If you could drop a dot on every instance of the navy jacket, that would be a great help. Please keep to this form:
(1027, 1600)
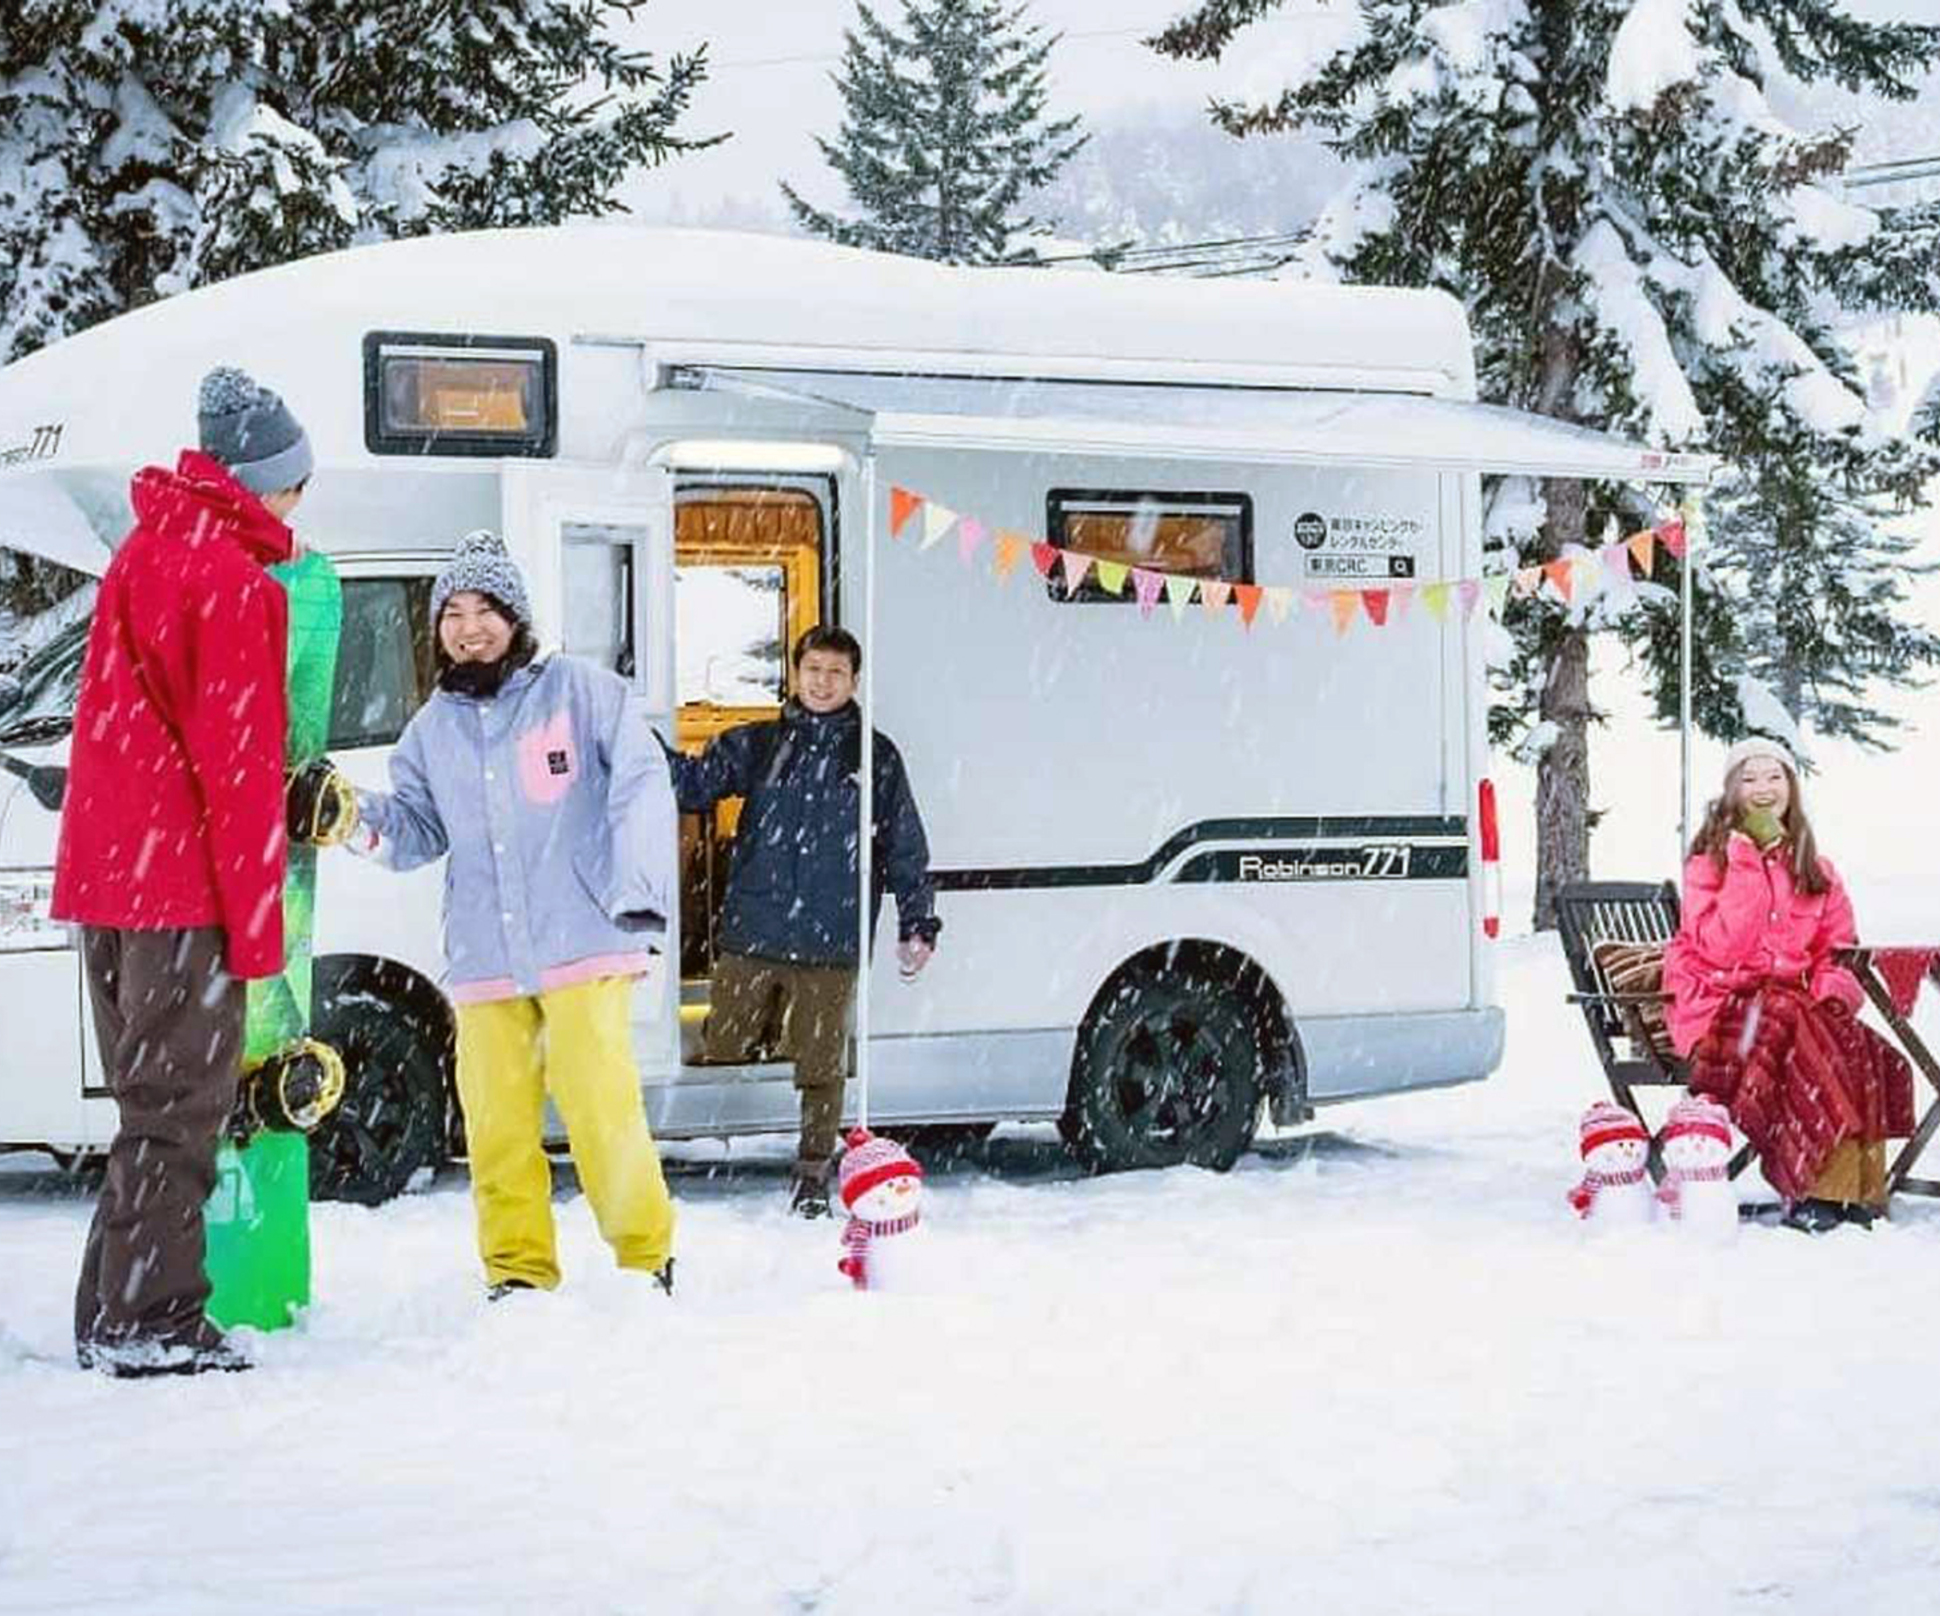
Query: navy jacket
(791, 891)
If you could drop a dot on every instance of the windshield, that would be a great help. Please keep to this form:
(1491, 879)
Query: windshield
(50, 680)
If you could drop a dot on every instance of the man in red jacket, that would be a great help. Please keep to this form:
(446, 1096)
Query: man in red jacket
(172, 856)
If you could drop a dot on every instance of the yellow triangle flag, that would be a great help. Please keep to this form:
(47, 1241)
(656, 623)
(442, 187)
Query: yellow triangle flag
(1435, 598)
(1111, 576)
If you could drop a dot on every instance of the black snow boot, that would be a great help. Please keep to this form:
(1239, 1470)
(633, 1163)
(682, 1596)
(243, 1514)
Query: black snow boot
(211, 1352)
(1813, 1216)
(503, 1288)
(810, 1196)
(663, 1276)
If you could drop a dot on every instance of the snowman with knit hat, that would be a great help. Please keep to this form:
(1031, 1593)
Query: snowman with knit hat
(1615, 1190)
(1697, 1191)
(881, 1186)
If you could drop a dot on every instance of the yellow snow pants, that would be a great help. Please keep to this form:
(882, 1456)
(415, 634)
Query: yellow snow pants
(576, 1043)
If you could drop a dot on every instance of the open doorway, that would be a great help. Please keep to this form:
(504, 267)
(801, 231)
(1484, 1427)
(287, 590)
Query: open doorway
(747, 582)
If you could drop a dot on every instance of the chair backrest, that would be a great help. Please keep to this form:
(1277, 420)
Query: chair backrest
(1592, 912)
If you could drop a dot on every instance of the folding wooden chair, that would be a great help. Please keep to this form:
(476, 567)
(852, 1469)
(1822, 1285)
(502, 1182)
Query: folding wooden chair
(1604, 926)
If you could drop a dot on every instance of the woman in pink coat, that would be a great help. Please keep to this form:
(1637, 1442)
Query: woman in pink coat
(1760, 1004)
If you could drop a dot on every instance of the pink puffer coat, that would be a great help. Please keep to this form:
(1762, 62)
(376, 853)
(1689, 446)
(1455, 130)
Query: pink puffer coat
(1752, 925)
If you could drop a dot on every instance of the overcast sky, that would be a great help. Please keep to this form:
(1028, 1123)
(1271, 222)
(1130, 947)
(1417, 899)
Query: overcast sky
(772, 59)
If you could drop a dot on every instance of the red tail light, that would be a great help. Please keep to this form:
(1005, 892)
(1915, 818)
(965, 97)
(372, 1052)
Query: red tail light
(1489, 834)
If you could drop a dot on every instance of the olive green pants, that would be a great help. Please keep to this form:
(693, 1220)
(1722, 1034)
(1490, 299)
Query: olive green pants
(750, 998)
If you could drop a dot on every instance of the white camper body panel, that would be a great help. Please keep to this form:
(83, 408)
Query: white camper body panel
(1095, 786)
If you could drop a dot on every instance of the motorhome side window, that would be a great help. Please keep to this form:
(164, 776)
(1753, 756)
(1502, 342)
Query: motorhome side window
(384, 660)
(1197, 535)
(459, 394)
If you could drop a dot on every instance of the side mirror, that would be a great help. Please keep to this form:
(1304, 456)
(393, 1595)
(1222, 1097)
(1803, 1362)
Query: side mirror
(11, 690)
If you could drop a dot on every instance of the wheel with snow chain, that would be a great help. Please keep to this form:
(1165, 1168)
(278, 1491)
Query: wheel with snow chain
(1168, 1069)
(391, 1119)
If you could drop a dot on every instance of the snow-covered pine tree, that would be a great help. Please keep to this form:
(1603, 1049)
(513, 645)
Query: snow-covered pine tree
(944, 132)
(145, 149)
(1642, 241)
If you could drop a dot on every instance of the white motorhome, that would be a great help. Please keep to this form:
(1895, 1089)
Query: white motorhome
(1186, 868)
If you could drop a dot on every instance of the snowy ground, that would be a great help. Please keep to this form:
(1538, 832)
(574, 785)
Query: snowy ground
(1377, 1368)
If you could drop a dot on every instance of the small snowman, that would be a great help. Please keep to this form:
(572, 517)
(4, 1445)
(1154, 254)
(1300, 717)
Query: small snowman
(881, 1185)
(1615, 1190)
(1697, 1175)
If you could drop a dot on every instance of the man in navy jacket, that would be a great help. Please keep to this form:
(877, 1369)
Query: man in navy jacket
(788, 931)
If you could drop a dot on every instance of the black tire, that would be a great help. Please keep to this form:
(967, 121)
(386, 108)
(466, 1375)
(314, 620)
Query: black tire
(1168, 1069)
(392, 1118)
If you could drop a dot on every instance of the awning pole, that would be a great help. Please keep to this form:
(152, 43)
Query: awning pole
(866, 794)
(1693, 517)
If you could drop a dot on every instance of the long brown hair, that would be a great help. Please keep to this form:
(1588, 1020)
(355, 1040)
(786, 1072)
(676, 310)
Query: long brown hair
(1721, 818)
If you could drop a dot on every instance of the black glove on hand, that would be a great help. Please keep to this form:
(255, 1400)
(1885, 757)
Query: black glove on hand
(321, 804)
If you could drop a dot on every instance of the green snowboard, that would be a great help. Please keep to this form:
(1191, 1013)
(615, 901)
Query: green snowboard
(258, 1218)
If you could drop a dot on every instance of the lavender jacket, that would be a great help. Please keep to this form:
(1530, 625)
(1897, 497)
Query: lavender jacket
(553, 801)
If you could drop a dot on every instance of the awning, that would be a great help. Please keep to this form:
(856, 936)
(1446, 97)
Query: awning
(1196, 422)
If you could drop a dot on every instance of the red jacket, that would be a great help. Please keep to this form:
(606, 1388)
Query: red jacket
(174, 810)
(1749, 926)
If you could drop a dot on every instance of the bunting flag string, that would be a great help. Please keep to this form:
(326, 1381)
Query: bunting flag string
(1614, 564)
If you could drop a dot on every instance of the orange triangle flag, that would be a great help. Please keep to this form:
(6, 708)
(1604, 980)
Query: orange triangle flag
(1248, 596)
(1559, 574)
(1009, 550)
(902, 506)
(1344, 606)
(1644, 547)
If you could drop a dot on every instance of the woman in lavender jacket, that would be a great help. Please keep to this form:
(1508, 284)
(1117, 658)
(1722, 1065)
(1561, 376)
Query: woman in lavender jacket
(542, 781)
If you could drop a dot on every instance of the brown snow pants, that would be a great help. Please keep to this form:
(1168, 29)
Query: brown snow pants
(813, 1000)
(170, 1023)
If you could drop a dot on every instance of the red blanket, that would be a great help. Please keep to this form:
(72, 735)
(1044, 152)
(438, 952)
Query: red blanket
(1800, 1076)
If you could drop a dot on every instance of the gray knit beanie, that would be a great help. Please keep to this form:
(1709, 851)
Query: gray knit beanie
(482, 563)
(251, 431)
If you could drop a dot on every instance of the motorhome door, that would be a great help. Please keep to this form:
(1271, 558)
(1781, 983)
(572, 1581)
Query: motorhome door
(597, 547)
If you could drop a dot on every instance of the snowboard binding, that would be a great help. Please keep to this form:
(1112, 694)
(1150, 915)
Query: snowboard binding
(291, 1091)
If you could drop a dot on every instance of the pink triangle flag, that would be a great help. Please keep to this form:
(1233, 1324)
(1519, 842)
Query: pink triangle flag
(970, 534)
(1470, 589)
(1178, 593)
(1528, 580)
(1146, 585)
(1076, 562)
(1672, 535)
(1616, 562)
(1214, 593)
(1403, 595)
(937, 520)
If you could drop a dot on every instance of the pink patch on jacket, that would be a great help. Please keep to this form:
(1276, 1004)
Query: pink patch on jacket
(548, 760)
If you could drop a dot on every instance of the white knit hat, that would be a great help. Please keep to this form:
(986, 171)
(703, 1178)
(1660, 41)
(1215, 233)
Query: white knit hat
(1759, 746)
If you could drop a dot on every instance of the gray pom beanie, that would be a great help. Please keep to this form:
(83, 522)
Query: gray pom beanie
(251, 431)
(483, 564)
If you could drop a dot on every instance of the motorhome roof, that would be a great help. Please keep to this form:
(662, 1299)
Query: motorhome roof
(706, 287)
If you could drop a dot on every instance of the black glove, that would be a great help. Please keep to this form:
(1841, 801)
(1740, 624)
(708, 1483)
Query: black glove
(321, 805)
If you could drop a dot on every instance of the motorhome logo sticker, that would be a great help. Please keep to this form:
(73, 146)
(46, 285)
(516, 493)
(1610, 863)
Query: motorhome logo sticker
(43, 443)
(1310, 530)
